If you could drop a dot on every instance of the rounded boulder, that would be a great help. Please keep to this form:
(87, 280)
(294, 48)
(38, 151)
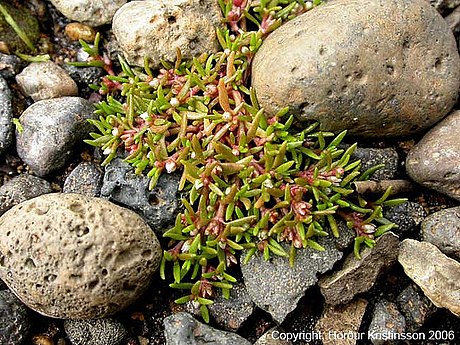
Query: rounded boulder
(76, 257)
(378, 68)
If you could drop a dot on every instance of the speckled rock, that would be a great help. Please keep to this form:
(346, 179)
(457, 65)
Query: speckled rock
(84, 76)
(357, 276)
(25, 20)
(22, 188)
(415, 307)
(76, 257)
(44, 80)
(276, 287)
(157, 28)
(378, 68)
(6, 116)
(159, 206)
(272, 337)
(371, 157)
(14, 320)
(434, 161)
(89, 12)
(435, 273)
(386, 320)
(85, 179)
(95, 332)
(183, 329)
(10, 66)
(341, 320)
(443, 230)
(444, 5)
(51, 130)
(407, 215)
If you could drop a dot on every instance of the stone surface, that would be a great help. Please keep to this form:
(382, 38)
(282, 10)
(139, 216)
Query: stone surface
(435, 273)
(230, 313)
(22, 188)
(341, 319)
(276, 287)
(415, 307)
(10, 66)
(444, 5)
(44, 80)
(159, 206)
(443, 230)
(85, 179)
(371, 157)
(6, 116)
(76, 257)
(85, 76)
(51, 130)
(183, 329)
(95, 332)
(89, 12)
(25, 20)
(386, 319)
(407, 216)
(272, 337)
(434, 161)
(378, 68)
(155, 29)
(14, 320)
(357, 276)
(453, 21)
(79, 31)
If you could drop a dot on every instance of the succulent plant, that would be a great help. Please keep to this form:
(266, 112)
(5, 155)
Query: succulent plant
(252, 181)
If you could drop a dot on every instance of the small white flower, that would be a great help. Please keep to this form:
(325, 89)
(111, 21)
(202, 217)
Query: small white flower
(198, 184)
(226, 116)
(268, 183)
(170, 166)
(107, 151)
(154, 83)
(115, 131)
(144, 116)
(245, 50)
(309, 5)
(174, 102)
(369, 228)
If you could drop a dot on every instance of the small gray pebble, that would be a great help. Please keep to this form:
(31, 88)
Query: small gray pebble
(14, 320)
(95, 332)
(85, 179)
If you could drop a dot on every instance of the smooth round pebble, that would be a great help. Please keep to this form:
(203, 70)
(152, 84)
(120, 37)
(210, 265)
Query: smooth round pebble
(79, 31)
(378, 68)
(76, 257)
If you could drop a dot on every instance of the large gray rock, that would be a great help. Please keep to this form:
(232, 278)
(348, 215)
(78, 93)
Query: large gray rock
(51, 129)
(95, 332)
(6, 116)
(183, 329)
(276, 287)
(90, 12)
(43, 80)
(22, 188)
(378, 68)
(436, 274)
(434, 162)
(357, 276)
(443, 230)
(14, 319)
(76, 257)
(386, 319)
(158, 206)
(155, 29)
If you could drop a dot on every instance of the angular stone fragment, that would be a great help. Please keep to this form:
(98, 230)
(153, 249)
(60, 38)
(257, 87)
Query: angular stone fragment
(386, 320)
(436, 274)
(359, 276)
(76, 257)
(415, 307)
(378, 68)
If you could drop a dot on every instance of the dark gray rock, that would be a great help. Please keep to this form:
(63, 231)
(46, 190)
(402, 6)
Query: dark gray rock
(346, 66)
(434, 161)
(159, 206)
(22, 188)
(44, 80)
(272, 337)
(85, 76)
(415, 307)
(386, 320)
(357, 276)
(85, 179)
(444, 5)
(6, 116)
(95, 332)
(14, 320)
(371, 157)
(51, 130)
(436, 274)
(183, 329)
(230, 313)
(453, 20)
(407, 216)
(10, 65)
(443, 230)
(276, 287)
(75, 257)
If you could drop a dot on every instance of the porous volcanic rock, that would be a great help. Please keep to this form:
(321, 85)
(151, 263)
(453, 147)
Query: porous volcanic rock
(76, 257)
(155, 29)
(378, 68)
